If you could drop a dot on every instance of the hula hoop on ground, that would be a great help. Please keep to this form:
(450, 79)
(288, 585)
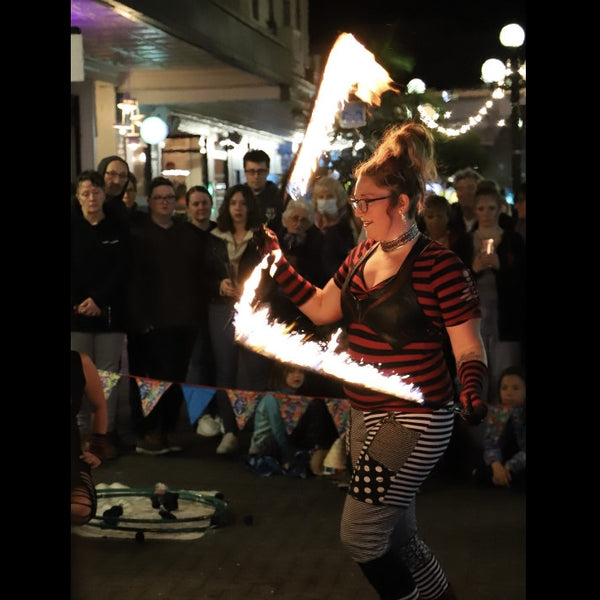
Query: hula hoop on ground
(217, 516)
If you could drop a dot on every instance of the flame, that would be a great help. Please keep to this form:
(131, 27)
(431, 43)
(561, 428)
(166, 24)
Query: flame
(350, 68)
(275, 340)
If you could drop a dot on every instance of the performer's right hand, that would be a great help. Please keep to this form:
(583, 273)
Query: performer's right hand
(266, 241)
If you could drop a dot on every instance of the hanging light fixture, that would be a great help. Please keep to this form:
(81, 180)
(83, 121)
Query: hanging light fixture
(131, 119)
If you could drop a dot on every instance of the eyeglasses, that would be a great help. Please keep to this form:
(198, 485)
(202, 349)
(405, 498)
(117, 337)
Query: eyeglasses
(165, 198)
(117, 174)
(296, 218)
(255, 172)
(363, 204)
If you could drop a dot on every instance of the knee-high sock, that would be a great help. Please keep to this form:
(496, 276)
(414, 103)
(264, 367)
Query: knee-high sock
(390, 578)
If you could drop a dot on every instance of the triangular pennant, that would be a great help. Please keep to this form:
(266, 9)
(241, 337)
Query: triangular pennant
(243, 403)
(196, 399)
(339, 408)
(292, 408)
(151, 392)
(109, 380)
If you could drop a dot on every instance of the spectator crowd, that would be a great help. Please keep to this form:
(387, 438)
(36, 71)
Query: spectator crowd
(158, 291)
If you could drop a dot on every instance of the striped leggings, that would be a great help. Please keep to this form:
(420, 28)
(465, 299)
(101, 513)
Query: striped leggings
(392, 454)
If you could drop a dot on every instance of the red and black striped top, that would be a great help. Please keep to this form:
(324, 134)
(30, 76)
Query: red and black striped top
(447, 296)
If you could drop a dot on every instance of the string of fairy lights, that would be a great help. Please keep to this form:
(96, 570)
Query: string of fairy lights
(430, 116)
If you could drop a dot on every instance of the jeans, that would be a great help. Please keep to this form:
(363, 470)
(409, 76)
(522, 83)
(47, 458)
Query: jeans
(236, 367)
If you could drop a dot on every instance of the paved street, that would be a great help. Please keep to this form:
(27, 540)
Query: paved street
(282, 539)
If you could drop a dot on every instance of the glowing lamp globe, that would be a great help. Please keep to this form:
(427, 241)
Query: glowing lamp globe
(493, 70)
(415, 86)
(512, 36)
(153, 130)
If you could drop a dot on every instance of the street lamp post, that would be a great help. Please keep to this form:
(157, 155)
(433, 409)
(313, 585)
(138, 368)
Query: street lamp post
(510, 76)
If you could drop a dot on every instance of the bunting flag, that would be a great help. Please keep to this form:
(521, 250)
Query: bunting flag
(339, 408)
(109, 380)
(292, 408)
(196, 400)
(243, 404)
(151, 391)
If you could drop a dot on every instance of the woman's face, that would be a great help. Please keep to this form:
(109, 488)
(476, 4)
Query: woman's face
(296, 221)
(199, 207)
(487, 211)
(90, 197)
(130, 195)
(238, 209)
(379, 223)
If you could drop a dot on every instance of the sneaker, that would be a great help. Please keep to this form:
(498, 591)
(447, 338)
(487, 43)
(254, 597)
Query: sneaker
(171, 444)
(228, 444)
(316, 460)
(151, 445)
(208, 426)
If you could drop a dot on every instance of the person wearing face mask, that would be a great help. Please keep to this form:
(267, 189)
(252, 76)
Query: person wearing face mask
(333, 218)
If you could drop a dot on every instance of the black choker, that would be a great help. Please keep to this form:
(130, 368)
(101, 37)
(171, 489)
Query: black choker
(410, 234)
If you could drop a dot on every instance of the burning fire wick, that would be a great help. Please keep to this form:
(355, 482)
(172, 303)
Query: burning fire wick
(275, 340)
(350, 68)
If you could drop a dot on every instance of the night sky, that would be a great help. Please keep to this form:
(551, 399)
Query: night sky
(444, 44)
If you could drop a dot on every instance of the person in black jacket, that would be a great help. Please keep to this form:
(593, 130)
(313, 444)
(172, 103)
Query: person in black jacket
(302, 243)
(99, 251)
(166, 307)
(115, 172)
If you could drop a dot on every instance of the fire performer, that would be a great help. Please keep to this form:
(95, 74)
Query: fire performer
(398, 293)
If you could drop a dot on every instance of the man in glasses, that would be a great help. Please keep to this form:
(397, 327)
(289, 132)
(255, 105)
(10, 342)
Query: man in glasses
(268, 196)
(115, 172)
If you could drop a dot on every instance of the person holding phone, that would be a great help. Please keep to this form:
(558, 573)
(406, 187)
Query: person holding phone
(498, 262)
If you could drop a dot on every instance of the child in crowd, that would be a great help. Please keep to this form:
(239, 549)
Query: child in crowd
(272, 450)
(504, 460)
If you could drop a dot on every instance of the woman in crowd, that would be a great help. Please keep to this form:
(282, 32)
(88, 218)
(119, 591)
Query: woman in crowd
(334, 219)
(397, 291)
(99, 259)
(498, 262)
(302, 243)
(231, 256)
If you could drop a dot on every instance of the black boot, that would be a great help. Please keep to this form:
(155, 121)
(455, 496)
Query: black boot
(389, 576)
